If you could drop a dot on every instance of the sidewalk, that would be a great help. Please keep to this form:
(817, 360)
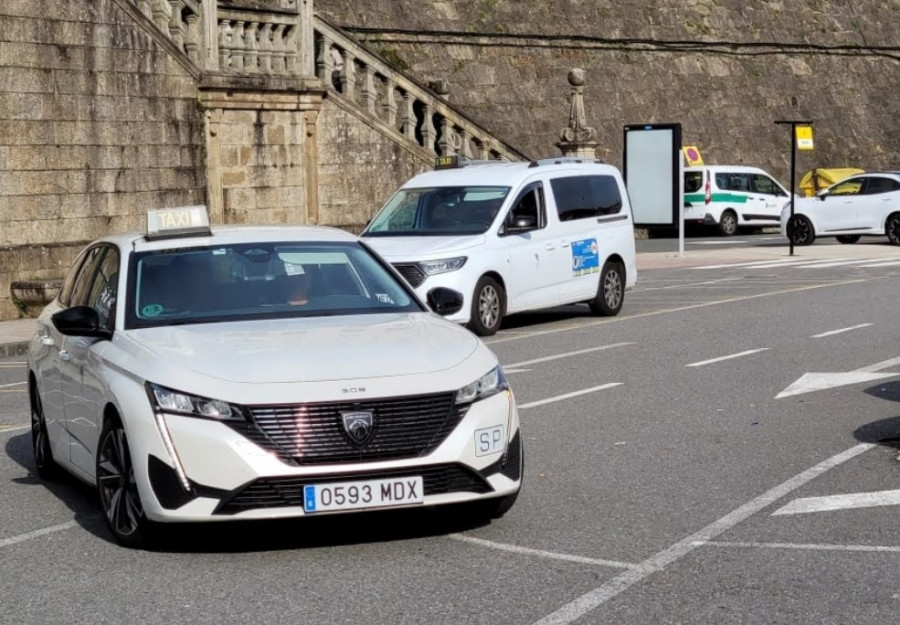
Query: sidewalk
(14, 335)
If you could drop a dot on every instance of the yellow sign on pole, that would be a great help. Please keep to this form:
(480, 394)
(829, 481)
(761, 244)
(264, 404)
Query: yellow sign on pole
(692, 154)
(804, 138)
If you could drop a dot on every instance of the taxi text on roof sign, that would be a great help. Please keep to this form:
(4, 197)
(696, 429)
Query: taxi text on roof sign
(177, 222)
(448, 162)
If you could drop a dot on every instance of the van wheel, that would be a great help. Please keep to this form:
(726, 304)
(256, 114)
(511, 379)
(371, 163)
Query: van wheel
(848, 238)
(488, 307)
(892, 228)
(800, 231)
(728, 225)
(610, 291)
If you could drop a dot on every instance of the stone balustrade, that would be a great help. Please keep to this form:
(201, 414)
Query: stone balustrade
(181, 20)
(258, 43)
(420, 115)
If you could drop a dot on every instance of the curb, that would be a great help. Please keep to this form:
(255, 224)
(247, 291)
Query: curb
(10, 350)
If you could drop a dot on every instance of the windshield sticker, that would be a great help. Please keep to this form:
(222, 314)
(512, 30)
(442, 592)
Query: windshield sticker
(585, 259)
(151, 310)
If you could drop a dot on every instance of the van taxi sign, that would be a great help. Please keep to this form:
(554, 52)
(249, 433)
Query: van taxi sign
(177, 222)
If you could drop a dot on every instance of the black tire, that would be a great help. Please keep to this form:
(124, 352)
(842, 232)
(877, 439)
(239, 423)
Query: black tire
(848, 238)
(117, 489)
(728, 224)
(46, 466)
(800, 231)
(892, 228)
(610, 292)
(488, 307)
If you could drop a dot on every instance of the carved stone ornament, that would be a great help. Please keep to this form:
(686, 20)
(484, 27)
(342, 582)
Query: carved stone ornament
(577, 139)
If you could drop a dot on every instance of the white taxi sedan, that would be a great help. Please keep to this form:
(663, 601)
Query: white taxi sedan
(863, 205)
(198, 374)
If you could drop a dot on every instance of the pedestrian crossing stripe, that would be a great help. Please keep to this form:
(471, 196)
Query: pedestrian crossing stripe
(821, 263)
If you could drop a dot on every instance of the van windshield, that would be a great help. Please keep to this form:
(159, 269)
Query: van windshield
(438, 211)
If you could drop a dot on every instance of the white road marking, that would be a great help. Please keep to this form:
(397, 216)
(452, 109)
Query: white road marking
(6, 542)
(13, 384)
(847, 263)
(682, 286)
(13, 428)
(728, 242)
(729, 357)
(810, 382)
(505, 370)
(550, 400)
(807, 505)
(878, 366)
(806, 546)
(565, 355)
(655, 563)
(891, 263)
(542, 554)
(841, 331)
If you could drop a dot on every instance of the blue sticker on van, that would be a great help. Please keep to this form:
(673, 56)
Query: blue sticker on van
(585, 257)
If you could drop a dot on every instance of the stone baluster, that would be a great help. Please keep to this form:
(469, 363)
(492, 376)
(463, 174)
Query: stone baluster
(192, 37)
(176, 26)
(162, 13)
(445, 144)
(483, 151)
(237, 51)
(347, 80)
(390, 102)
(278, 62)
(291, 51)
(146, 7)
(324, 61)
(408, 117)
(265, 48)
(369, 96)
(251, 48)
(466, 140)
(429, 133)
(225, 36)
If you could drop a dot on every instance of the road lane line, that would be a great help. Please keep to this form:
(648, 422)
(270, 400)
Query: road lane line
(729, 357)
(805, 546)
(12, 428)
(6, 542)
(842, 263)
(878, 366)
(653, 313)
(565, 355)
(13, 384)
(841, 331)
(807, 505)
(891, 263)
(550, 400)
(540, 553)
(655, 563)
(682, 286)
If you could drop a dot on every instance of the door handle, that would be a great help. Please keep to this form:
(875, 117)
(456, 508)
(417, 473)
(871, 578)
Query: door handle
(65, 355)
(550, 246)
(564, 244)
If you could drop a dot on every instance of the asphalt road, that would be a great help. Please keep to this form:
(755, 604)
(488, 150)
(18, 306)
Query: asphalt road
(664, 483)
(702, 237)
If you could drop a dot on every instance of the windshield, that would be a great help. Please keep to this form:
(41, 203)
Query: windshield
(260, 281)
(439, 211)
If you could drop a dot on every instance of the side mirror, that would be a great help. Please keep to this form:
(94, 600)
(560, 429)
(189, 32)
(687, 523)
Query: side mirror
(80, 321)
(445, 301)
(522, 224)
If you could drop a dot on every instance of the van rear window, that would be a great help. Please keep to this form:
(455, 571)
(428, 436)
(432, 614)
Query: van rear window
(693, 181)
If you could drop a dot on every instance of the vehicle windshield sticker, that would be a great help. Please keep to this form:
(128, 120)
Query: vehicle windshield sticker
(151, 310)
(585, 259)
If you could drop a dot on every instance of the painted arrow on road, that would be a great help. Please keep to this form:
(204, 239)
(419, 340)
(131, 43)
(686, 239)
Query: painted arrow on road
(810, 382)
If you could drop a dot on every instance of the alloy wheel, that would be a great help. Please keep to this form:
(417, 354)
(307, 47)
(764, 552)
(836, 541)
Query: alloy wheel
(612, 289)
(489, 306)
(118, 489)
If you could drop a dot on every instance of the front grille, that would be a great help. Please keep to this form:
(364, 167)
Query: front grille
(279, 492)
(408, 427)
(411, 272)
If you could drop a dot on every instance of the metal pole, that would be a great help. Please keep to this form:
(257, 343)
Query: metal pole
(793, 178)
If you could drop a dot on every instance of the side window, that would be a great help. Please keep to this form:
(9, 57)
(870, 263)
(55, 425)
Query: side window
(733, 182)
(529, 212)
(65, 293)
(852, 186)
(878, 185)
(85, 275)
(102, 293)
(765, 185)
(581, 197)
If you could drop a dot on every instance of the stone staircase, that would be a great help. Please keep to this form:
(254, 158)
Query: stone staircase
(285, 38)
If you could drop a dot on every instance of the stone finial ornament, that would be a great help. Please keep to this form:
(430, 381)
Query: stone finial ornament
(577, 139)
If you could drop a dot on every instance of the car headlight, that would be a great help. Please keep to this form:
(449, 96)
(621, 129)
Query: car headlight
(489, 384)
(168, 400)
(432, 267)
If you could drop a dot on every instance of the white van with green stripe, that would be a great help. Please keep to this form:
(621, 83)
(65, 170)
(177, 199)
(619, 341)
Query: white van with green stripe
(731, 197)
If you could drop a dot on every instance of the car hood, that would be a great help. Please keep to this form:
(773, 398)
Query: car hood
(312, 349)
(422, 248)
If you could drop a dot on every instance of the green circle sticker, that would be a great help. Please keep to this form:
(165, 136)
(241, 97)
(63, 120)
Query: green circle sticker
(151, 310)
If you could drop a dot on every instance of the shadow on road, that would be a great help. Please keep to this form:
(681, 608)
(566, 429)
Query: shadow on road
(884, 432)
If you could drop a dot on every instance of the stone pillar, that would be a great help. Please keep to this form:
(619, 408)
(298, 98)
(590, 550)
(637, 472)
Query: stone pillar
(577, 140)
(210, 25)
(306, 39)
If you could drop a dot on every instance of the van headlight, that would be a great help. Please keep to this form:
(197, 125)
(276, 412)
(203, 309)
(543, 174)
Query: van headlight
(176, 402)
(489, 384)
(444, 265)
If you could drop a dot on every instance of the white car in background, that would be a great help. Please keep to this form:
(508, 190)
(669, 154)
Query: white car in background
(197, 374)
(863, 205)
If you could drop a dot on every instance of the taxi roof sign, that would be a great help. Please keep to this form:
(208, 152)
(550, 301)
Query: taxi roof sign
(448, 162)
(180, 221)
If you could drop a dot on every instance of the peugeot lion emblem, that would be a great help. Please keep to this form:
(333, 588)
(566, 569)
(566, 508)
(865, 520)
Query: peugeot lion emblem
(359, 426)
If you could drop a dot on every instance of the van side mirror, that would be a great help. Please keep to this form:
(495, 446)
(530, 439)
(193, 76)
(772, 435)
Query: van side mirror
(521, 224)
(445, 301)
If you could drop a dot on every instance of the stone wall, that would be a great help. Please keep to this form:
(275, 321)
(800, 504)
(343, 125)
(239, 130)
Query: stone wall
(98, 122)
(725, 69)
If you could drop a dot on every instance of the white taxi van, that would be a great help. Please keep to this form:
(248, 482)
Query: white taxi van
(205, 374)
(512, 237)
(731, 197)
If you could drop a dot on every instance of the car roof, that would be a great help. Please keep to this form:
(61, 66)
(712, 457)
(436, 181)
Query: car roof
(504, 173)
(233, 234)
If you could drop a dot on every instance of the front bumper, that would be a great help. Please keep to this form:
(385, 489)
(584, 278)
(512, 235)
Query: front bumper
(231, 477)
